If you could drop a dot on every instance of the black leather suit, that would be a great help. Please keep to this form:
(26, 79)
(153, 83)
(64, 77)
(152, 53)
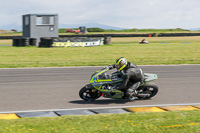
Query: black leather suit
(132, 77)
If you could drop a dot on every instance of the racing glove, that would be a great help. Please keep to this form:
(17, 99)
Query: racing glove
(111, 66)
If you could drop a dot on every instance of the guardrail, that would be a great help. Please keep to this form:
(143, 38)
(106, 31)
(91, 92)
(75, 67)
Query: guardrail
(90, 35)
(119, 35)
(110, 35)
(177, 34)
(9, 37)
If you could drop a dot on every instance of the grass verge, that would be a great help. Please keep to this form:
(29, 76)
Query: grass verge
(167, 122)
(6, 42)
(147, 54)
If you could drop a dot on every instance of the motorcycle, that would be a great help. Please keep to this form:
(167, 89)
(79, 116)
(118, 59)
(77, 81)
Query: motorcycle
(102, 84)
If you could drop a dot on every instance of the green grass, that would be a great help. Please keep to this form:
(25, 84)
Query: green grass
(166, 122)
(6, 42)
(11, 34)
(149, 54)
(123, 40)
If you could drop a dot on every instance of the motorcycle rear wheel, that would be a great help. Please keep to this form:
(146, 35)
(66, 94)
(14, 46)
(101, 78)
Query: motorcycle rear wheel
(89, 94)
(151, 89)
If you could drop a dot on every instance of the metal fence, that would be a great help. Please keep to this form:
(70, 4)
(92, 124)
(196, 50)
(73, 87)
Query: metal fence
(119, 35)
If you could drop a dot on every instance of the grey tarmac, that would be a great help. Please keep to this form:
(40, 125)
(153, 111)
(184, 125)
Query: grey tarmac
(58, 88)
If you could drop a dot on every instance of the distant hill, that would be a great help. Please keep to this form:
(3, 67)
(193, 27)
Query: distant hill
(11, 26)
(195, 29)
(88, 25)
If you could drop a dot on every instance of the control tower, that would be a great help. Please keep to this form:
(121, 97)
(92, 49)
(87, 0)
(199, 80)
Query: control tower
(40, 25)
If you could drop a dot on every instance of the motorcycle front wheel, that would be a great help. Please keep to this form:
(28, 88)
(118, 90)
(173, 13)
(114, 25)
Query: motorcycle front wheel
(89, 94)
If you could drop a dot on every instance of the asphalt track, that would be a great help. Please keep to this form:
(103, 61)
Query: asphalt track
(58, 88)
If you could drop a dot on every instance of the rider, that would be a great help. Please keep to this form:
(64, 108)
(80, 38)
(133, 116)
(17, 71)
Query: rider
(130, 72)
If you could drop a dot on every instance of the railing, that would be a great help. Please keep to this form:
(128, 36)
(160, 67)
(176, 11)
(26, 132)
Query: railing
(119, 35)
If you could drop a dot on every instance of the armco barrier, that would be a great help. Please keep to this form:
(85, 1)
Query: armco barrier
(9, 37)
(177, 34)
(118, 35)
(107, 35)
(94, 111)
(91, 35)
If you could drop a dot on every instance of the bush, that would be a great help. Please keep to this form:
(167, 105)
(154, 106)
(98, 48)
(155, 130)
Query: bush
(95, 30)
(62, 30)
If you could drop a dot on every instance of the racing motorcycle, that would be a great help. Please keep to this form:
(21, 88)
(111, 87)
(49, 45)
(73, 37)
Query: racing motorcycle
(103, 85)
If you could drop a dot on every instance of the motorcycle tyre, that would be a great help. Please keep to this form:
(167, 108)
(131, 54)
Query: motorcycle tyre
(151, 85)
(95, 96)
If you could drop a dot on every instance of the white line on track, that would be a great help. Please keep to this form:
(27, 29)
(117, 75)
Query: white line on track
(97, 66)
(114, 107)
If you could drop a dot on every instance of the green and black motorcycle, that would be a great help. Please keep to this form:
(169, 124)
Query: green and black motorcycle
(102, 84)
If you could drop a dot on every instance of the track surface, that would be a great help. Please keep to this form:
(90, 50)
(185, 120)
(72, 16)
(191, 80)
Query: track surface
(58, 88)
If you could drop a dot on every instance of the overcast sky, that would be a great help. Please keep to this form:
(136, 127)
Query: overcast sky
(119, 13)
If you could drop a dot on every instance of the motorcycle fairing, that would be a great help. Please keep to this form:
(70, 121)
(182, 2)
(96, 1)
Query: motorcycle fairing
(97, 83)
(149, 77)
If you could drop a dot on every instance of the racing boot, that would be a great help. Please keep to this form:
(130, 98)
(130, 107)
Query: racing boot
(130, 95)
(132, 92)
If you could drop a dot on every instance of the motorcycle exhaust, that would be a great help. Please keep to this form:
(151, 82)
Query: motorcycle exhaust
(143, 95)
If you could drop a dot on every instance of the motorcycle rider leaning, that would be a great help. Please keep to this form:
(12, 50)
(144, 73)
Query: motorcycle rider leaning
(132, 76)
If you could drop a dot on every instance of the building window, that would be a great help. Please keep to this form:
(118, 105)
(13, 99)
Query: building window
(45, 20)
(26, 20)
